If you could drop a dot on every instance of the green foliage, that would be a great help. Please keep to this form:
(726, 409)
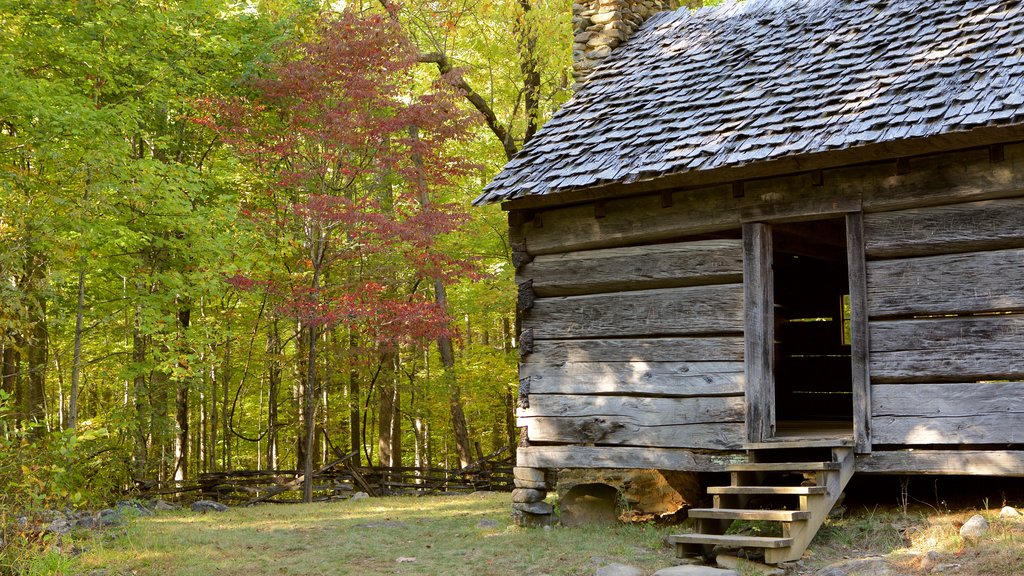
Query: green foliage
(55, 470)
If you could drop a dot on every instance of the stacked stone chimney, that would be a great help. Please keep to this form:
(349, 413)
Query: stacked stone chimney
(601, 25)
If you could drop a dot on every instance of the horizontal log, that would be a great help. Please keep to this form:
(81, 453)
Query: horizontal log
(948, 400)
(636, 267)
(661, 312)
(956, 177)
(631, 221)
(623, 457)
(699, 349)
(600, 430)
(641, 411)
(947, 284)
(1005, 428)
(968, 227)
(640, 378)
(970, 462)
(947, 349)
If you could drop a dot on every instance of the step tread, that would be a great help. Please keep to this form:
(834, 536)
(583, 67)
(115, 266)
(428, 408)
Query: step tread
(782, 466)
(798, 490)
(732, 540)
(745, 514)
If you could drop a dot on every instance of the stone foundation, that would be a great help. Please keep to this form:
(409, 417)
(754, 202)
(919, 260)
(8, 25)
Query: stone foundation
(528, 506)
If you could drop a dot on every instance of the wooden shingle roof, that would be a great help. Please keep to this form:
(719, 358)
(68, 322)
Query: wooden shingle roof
(768, 79)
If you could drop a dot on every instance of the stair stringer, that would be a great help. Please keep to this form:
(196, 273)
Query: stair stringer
(819, 506)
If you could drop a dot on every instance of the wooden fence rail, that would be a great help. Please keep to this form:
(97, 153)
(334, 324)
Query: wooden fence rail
(338, 480)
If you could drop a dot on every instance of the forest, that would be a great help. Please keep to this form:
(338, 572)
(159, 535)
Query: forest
(237, 235)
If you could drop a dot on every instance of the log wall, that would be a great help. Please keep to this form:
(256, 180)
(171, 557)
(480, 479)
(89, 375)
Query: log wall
(636, 346)
(632, 310)
(946, 306)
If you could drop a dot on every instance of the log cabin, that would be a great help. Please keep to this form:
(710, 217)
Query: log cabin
(775, 237)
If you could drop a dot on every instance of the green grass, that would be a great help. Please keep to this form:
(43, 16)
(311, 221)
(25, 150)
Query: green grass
(366, 538)
(440, 536)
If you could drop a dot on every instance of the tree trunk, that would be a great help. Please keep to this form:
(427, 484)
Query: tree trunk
(37, 343)
(181, 403)
(355, 434)
(76, 366)
(140, 449)
(225, 407)
(309, 414)
(389, 422)
(444, 342)
(274, 380)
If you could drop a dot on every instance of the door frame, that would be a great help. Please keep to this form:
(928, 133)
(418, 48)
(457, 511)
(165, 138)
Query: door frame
(759, 329)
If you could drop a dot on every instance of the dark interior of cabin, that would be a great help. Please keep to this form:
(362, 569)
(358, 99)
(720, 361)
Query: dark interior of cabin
(812, 363)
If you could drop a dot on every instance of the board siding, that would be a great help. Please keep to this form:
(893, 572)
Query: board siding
(953, 349)
(622, 457)
(699, 349)
(973, 429)
(603, 430)
(638, 335)
(641, 410)
(969, 227)
(636, 378)
(989, 281)
(631, 221)
(665, 311)
(636, 268)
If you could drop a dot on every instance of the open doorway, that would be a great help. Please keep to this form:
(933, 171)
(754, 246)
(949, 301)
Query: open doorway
(813, 377)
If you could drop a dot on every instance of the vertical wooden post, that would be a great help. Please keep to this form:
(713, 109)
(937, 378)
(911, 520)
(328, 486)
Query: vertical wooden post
(859, 331)
(759, 336)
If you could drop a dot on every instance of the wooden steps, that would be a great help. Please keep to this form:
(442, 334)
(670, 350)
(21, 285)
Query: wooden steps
(745, 514)
(820, 484)
(740, 541)
(791, 490)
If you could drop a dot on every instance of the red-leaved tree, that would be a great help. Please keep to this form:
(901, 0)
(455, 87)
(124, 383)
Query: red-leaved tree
(349, 157)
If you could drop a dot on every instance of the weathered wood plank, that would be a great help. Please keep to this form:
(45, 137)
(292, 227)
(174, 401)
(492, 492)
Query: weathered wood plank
(636, 268)
(759, 315)
(949, 400)
(603, 430)
(969, 227)
(640, 378)
(794, 197)
(622, 457)
(632, 221)
(859, 332)
(635, 410)
(946, 179)
(948, 284)
(970, 462)
(660, 312)
(947, 349)
(700, 349)
(975, 429)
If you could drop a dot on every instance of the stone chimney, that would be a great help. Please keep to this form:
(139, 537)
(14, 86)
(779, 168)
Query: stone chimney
(601, 25)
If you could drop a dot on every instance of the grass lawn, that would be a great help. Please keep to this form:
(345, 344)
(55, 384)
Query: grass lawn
(445, 535)
(405, 535)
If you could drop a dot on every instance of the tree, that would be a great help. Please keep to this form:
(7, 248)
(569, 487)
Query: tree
(346, 150)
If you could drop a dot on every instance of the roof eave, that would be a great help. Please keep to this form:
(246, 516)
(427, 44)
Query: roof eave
(866, 154)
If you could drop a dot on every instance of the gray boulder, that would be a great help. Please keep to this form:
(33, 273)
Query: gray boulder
(208, 506)
(1009, 512)
(109, 517)
(618, 570)
(974, 528)
(695, 571)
